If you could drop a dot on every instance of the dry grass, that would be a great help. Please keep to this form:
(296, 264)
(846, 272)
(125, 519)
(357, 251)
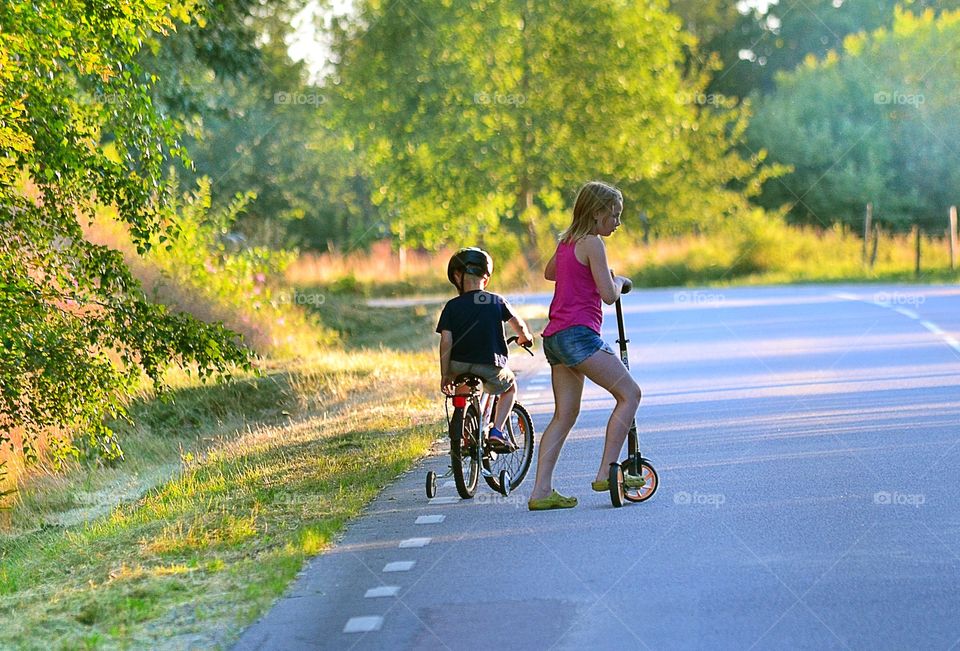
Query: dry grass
(768, 253)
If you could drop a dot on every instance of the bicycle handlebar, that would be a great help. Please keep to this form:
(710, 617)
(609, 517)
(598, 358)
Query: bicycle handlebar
(526, 347)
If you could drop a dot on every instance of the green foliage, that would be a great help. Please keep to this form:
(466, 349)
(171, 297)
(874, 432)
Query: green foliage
(257, 125)
(755, 42)
(76, 329)
(479, 120)
(212, 272)
(876, 123)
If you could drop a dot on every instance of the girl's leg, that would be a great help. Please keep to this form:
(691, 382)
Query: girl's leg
(609, 372)
(504, 404)
(567, 389)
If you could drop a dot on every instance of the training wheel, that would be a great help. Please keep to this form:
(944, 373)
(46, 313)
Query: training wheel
(504, 483)
(616, 485)
(431, 484)
(650, 478)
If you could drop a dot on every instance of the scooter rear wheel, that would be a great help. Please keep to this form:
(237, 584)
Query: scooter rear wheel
(616, 485)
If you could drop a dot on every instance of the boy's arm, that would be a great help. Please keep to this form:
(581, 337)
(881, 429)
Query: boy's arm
(446, 345)
(519, 326)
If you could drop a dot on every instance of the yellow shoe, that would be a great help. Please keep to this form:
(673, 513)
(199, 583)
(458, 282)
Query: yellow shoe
(553, 501)
(629, 481)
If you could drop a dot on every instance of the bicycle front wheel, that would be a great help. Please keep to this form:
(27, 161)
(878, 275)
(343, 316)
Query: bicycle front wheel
(519, 429)
(465, 449)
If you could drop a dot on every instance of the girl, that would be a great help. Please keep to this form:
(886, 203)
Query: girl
(572, 340)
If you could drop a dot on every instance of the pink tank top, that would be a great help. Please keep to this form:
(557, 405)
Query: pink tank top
(576, 300)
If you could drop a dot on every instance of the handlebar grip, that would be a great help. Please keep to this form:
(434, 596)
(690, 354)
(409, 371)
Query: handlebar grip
(526, 347)
(627, 286)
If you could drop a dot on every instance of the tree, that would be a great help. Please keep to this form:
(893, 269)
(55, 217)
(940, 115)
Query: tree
(79, 129)
(875, 123)
(764, 38)
(479, 120)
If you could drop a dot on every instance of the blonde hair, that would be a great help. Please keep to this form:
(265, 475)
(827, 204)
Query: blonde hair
(592, 197)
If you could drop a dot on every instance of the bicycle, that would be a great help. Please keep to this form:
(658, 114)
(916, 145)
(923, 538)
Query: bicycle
(470, 454)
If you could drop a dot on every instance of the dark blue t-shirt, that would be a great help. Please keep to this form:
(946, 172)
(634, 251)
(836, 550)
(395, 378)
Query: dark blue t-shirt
(476, 320)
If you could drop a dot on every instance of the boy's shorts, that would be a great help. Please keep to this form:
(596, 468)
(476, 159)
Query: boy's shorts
(496, 380)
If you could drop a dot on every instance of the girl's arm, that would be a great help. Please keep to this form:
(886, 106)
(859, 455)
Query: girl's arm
(550, 272)
(608, 285)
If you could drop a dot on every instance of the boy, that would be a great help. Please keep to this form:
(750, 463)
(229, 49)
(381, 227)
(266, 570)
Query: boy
(471, 337)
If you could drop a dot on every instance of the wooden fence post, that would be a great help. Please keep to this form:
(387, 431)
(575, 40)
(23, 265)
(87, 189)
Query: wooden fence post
(953, 238)
(916, 237)
(866, 231)
(876, 242)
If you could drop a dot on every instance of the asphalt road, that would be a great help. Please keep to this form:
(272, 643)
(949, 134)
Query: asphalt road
(807, 443)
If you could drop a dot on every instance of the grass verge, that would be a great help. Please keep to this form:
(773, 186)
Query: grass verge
(248, 480)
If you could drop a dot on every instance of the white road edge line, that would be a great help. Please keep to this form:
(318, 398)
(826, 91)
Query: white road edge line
(932, 327)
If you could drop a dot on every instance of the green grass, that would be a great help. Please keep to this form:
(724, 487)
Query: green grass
(225, 492)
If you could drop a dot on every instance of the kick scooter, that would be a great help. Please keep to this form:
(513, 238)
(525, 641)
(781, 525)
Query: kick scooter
(634, 464)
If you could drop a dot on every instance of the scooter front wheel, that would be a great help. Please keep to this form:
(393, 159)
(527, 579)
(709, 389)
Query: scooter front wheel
(651, 481)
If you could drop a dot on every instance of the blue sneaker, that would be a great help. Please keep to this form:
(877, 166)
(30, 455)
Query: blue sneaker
(500, 442)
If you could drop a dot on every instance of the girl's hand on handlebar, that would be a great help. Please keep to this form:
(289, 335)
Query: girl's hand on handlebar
(626, 286)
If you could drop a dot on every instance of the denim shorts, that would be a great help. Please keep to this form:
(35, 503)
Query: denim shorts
(573, 345)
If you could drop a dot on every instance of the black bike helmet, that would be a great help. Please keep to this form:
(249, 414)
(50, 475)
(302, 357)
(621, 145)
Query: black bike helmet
(469, 260)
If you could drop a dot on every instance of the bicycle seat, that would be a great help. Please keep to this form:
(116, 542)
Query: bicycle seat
(469, 379)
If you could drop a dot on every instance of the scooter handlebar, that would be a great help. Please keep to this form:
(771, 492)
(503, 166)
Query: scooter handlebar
(627, 286)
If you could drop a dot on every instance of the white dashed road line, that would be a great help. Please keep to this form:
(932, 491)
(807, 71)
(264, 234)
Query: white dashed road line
(382, 591)
(399, 566)
(363, 624)
(448, 499)
(414, 542)
(430, 519)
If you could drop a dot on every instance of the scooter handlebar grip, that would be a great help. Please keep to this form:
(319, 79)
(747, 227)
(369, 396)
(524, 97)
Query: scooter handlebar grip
(627, 286)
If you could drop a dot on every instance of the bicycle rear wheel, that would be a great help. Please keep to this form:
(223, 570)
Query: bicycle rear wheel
(465, 449)
(519, 429)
